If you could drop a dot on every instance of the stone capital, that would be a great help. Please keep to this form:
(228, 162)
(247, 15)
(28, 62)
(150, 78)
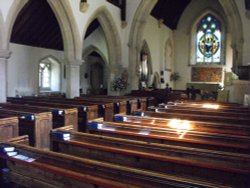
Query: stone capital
(73, 62)
(5, 54)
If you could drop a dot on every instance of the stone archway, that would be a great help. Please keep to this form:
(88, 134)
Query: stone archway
(112, 37)
(70, 34)
(135, 39)
(235, 24)
(86, 71)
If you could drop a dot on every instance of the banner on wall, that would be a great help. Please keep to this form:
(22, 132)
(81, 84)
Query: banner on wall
(206, 74)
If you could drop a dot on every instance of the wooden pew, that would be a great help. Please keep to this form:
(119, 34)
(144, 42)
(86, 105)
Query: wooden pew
(204, 107)
(35, 124)
(132, 103)
(222, 104)
(187, 138)
(8, 127)
(105, 109)
(202, 112)
(120, 106)
(151, 100)
(85, 112)
(218, 167)
(167, 123)
(196, 116)
(141, 101)
(50, 169)
(61, 116)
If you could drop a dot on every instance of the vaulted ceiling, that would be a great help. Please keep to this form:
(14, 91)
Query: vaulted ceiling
(36, 24)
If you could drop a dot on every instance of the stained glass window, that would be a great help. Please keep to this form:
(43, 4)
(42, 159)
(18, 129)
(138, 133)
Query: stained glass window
(208, 40)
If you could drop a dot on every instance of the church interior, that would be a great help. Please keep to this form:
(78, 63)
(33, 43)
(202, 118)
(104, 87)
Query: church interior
(125, 93)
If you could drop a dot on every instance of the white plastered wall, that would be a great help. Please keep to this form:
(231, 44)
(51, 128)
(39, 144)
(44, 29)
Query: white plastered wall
(23, 68)
(156, 36)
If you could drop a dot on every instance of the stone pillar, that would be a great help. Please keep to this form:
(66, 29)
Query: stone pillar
(4, 56)
(73, 78)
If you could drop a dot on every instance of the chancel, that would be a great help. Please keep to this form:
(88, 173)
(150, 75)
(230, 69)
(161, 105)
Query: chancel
(124, 93)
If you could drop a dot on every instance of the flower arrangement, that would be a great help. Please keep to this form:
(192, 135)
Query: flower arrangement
(174, 76)
(119, 84)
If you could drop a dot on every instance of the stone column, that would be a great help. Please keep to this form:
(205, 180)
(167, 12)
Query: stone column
(4, 56)
(73, 78)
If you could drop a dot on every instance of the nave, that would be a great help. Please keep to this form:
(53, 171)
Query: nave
(128, 141)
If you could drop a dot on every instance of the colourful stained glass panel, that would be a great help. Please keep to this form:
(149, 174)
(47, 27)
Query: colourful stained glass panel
(208, 41)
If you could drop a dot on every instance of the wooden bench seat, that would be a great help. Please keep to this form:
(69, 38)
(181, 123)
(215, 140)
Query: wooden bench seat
(167, 123)
(50, 169)
(120, 106)
(197, 116)
(141, 101)
(209, 108)
(35, 124)
(105, 109)
(222, 104)
(202, 164)
(85, 112)
(61, 116)
(204, 107)
(220, 142)
(202, 112)
(132, 103)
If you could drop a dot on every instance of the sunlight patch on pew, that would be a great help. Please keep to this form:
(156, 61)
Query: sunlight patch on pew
(211, 106)
(144, 132)
(105, 127)
(181, 126)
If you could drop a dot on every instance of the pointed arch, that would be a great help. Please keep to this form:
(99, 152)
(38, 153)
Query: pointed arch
(156, 80)
(64, 15)
(92, 83)
(111, 33)
(136, 38)
(67, 23)
(15, 8)
(91, 49)
(234, 24)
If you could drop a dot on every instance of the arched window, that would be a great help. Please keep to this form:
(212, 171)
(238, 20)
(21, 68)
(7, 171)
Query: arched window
(208, 41)
(49, 74)
(45, 76)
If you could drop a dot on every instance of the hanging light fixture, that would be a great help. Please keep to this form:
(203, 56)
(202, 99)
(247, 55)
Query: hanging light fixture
(84, 5)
